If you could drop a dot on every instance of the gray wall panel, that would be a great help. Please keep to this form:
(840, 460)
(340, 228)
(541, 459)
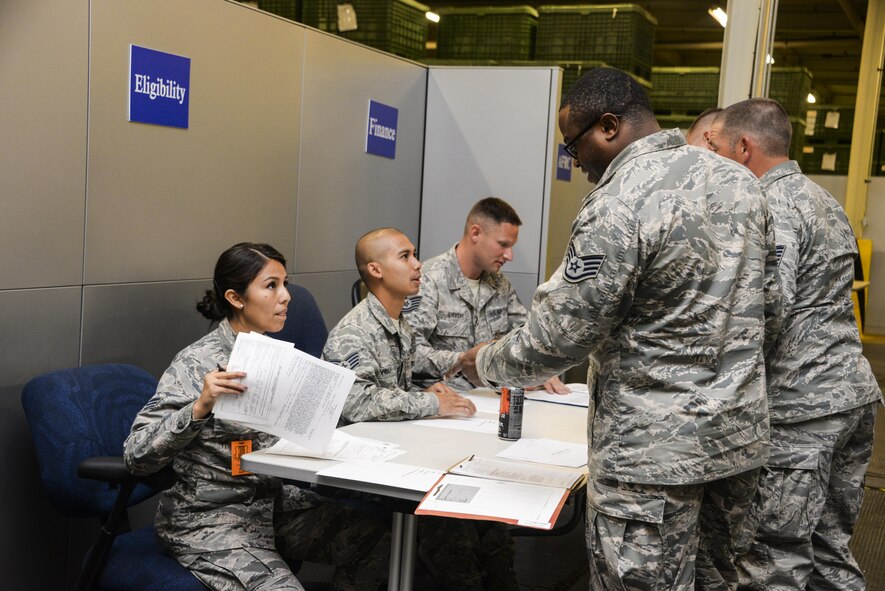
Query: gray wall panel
(43, 63)
(344, 192)
(488, 133)
(875, 319)
(143, 324)
(167, 201)
(331, 291)
(41, 329)
(525, 285)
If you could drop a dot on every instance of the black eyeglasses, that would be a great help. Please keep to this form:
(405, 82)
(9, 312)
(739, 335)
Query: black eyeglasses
(570, 147)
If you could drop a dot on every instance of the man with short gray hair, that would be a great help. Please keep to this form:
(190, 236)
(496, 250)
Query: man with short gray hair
(822, 394)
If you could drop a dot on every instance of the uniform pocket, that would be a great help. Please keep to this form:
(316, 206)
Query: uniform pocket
(624, 535)
(791, 493)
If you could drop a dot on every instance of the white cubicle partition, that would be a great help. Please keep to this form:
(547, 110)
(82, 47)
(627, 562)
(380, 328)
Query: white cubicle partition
(490, 132)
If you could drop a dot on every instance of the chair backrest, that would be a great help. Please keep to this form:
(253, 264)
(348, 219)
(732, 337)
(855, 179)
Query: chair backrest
(304, 323)
(79, 413)
(358, 292)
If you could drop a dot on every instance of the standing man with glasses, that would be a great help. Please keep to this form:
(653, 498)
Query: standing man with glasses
(667, 284)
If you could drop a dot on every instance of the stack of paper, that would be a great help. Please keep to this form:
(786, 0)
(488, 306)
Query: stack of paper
(290, 393)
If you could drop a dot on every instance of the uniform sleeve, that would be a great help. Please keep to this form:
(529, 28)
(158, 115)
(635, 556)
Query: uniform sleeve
(430, 365)
(587, 297)
(164, 426)
(516, 313)
(367, 399)
(780, 278)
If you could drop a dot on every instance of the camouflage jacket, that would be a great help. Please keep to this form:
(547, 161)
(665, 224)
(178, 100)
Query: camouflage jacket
(668, 283)
(208, 508)
(380, 350)
(448, 320)
(817, 367)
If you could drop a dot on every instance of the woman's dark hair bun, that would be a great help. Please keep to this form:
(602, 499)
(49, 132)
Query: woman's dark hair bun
(209, 306)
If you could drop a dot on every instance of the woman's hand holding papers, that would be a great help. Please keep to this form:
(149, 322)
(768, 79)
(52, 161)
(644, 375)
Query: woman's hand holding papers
(450, 402)
(216, 383)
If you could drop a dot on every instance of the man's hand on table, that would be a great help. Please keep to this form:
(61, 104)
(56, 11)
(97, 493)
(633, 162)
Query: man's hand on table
(452, 404)
(554, 385)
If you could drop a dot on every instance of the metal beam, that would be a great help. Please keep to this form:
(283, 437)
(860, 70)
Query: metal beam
(869, 87)
(854, 18)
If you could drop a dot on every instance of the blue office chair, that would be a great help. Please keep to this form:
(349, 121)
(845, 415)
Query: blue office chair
(79, 419)
(304, 326)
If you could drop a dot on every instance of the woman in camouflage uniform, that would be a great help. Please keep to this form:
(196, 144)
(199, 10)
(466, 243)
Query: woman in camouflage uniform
(236, 530)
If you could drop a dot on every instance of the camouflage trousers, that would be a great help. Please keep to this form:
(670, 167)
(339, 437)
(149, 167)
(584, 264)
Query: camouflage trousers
(330, 533)
(652, 537)
(809, 497)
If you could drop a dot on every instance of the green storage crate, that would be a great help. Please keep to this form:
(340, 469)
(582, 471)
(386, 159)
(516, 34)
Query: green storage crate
(684, 91)
(395, 26)
(619, 34)
(487, 33)
(790, 87)
(825, 158)
(290, 9)
(830, 124)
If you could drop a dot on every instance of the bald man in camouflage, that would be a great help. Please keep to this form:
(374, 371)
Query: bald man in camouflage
(375, 340)
(822, 394)
(667, 284)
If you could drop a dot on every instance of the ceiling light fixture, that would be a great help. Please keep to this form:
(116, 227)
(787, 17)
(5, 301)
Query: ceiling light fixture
(811, 98)
(432, 17)
(769, 59)
(718, 14)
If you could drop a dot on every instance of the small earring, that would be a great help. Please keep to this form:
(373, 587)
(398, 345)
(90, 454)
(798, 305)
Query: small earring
(242, 306)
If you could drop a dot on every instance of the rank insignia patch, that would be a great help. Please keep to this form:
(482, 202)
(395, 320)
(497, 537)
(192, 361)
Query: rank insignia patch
(412, 303)
(578, 268)
(779, 252)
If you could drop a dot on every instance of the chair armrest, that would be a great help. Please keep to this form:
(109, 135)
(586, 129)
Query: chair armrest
(113, 469)
(106, 469)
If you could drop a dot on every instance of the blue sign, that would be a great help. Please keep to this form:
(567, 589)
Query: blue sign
(381, 131)
(159, 87)
(563, 165)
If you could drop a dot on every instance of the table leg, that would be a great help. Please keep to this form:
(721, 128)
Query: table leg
(409, 550)
(396, 552)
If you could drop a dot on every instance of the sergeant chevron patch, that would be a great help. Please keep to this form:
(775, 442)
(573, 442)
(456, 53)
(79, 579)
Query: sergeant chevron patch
(578, 268)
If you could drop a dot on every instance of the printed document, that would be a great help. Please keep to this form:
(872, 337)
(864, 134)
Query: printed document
(498, 490)
(475, 424)
(343, 448)
(547, 451)
(387, 474)
(291, 394)
(463, 497)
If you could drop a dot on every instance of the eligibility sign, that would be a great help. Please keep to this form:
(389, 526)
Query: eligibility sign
(381, 131)
(159, 87)
(563, 165)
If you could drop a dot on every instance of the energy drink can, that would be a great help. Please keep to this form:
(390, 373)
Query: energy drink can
(510, 414)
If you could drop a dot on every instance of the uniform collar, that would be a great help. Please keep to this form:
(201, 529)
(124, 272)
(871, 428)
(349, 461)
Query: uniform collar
(662, 140)
(775, 173)
(227, 334)
(380, 313)
(456, 277)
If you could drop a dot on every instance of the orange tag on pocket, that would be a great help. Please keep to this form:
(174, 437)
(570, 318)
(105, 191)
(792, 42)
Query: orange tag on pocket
(237, 449)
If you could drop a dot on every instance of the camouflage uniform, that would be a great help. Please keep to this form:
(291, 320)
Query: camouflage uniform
(235, 532)
(449, 320)
(822, 399)
(669, 284)
(463, 555)
(380, 350)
